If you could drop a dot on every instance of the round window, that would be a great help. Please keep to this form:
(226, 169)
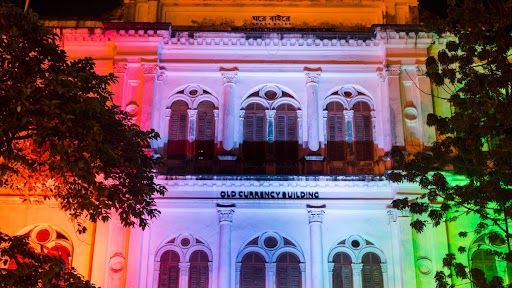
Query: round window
(355, 244)
(43, 235)
(185, 242)
(270, 242)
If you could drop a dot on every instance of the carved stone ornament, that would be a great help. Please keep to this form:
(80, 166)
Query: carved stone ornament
(381, 76)
(421, 70)
(120, 67)
(116, 265)
(150, 68)
(229, 77)
(160, 75)
(225, 215)
(315, 215)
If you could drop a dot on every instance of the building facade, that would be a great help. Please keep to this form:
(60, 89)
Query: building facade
(276, 133)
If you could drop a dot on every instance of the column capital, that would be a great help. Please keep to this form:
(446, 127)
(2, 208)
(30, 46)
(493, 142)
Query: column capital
(393, 70)
(315, 215)
(149, 68)
(192, 113)
(184, 266)
(120, 67)
(216, 114)
(356, 268)
(242, 114)
(270, 267)
(349, 115)
(229, 76)
(312, 75)
(270, 114)
(330, 266)
(302, 267)
(225, 215)
(392, 215)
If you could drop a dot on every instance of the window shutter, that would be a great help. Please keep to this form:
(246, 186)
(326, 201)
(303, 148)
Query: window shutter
(346, 273)
(282, 277)
(259, 134)
(294, 277)
(281, 128)
(249, 127)
(291, 125)
(363, 139)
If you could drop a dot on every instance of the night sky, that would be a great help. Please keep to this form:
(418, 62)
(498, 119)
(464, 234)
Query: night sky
(97, 8)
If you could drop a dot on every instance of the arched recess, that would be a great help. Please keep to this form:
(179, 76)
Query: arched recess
(193, 95)
(51, 240)
(194, 268)
(349, 133)
(480, 256)
(270, 246)
(358, 249)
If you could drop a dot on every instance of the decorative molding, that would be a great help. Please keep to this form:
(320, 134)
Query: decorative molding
(392, 215)
(161, 75)
(270, 267)
(421, 70)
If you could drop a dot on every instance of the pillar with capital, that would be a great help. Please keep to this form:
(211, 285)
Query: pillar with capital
(225, 220)
(184, 268)
(316, 215)
(312, 77)
(356, 272)
(230, 114)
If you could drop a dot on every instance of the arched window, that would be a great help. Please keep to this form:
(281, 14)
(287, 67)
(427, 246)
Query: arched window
(288, 271)
(204, 143)
(252, 273)
(485, 261)
(372, 272)
(169, 270)
(254, 133)
(177, 145)
(342, 271)
(336, 138)
(198, 271)
(286, 136)
(363, 131)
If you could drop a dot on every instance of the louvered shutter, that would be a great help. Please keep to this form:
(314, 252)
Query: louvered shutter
(291, 125)
(364, 145)
(377, 277)
(346, 272)
(336, 138)
(282, 277)
(367, 277)
(337, 279)
(294, 277)
(281, 128)
(259, 134)
(193, 274)
(259, 277)
(249, 127)
(169, 276)
(246, 277)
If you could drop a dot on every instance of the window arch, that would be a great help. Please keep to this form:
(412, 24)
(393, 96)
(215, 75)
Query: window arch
(183, 252)
(342, 271)
(363, 131)
(169, 270)
(278, 258)
(336, 138)
(252, 272)
(50, 240)
(178, 125)
(372, 272)
(482, 258)
(205, 136)
(288, 274)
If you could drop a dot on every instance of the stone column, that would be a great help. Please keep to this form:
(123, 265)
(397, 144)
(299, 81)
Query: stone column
(210, 276)
(216, 117)
(241, 127)
(302, 267)
(312, 77)
(330, 266)
(230, 109)
(238, 270)
(395, 104)
(184, 267)
(315, 241)
(270, 270)
(349, 132)
(192, 116)
(325, 115)
(299, 126)
(225, 221)
(356, 275)
(270, 125)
